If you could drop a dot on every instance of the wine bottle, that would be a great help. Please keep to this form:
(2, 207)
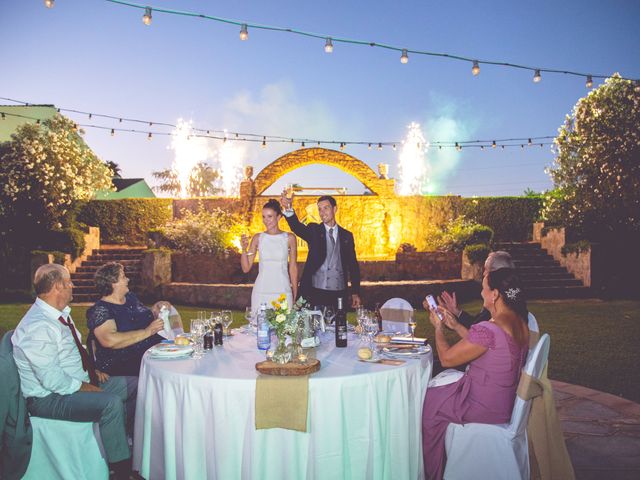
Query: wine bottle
(341, 325)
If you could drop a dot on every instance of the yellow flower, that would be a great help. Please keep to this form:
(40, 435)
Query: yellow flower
(275, 304)
(282, 297)
(280, 318)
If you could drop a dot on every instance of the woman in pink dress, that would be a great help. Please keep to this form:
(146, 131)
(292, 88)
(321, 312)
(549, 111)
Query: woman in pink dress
(496, 350)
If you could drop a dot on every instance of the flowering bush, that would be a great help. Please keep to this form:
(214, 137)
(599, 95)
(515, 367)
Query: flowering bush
(202, 232)
(283, 318)
(458, 233)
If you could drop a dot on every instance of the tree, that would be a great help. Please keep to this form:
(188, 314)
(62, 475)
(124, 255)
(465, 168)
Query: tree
(596, 171)
(201, 181)
(44, 170)
(116, 171)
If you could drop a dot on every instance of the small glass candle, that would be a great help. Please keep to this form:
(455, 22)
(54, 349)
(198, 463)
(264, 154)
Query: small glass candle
(302, 358)
(270, 354)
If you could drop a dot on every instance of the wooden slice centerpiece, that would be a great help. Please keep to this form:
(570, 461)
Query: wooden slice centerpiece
(288, 369)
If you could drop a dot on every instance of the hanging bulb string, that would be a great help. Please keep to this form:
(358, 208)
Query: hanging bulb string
(323, 36)
(218, 134)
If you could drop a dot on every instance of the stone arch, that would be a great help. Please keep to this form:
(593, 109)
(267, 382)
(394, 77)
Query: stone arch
(307, 156)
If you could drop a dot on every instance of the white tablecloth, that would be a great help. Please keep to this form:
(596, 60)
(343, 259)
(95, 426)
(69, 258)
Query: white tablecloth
(195, 418)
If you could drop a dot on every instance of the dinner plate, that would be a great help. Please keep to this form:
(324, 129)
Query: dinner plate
(169, 350)
(406, 352)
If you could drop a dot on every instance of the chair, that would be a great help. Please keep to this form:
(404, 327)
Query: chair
(478, 450)
(63, 450)
(396, 313)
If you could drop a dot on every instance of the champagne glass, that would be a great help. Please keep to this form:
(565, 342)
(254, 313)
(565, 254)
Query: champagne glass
(412, 325)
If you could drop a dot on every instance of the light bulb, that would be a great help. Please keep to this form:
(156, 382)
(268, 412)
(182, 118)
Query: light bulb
(369, 147)
(394, 146)
(481, 147)
(493, 144)
(537, 77)
(146, 18)
(149, 136)
(264, 143)
(530, 142)
(458, 147)
(328, 46)
(589, 83)
(302, 144)
(476, 68)
(404, 58)
(49, 3)
(113, 132)
(380, 146)
(244, 33)
(341, 146)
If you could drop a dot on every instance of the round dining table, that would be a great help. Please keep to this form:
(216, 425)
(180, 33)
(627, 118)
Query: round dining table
(195, 418)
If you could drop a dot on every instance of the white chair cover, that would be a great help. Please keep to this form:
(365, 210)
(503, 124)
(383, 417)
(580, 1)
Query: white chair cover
(395, 315)
(63, 450)
(533, 323)
(478, 450)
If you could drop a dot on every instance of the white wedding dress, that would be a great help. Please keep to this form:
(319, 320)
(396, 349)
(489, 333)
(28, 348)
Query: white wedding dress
(273, 273)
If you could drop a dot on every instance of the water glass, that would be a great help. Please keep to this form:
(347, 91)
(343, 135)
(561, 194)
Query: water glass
(198, 329)
(227, 318)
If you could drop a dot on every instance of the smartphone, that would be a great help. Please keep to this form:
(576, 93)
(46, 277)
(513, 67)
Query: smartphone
(433, 305)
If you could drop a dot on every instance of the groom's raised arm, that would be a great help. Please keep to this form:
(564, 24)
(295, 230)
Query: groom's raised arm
(296, 226)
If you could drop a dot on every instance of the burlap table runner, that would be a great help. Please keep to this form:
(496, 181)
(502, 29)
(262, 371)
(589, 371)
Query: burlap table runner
(281, 402)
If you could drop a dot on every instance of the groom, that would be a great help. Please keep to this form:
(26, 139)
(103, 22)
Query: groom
(331, 261)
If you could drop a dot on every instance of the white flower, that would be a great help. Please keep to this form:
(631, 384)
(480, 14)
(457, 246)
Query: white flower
(284, 305)
(280, 318)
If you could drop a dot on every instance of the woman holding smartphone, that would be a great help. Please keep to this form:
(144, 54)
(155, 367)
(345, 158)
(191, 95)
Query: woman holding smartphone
(496, 350)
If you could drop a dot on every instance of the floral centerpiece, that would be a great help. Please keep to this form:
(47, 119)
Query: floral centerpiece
(285, 322)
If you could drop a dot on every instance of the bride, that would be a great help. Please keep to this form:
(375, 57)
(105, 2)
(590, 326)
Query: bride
(278, 254)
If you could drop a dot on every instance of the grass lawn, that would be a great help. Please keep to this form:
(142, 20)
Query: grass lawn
(593, 343)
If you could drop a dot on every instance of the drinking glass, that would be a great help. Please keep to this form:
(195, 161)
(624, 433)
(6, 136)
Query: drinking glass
(370, 327)
(329, 315)
(227, 318)
(248, 315)
(198, 329)
(361, 315)
(412, 325)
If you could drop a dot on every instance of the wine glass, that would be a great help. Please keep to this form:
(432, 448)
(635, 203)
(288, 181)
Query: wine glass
(248, 315)
(227, 318)
(412, 325)
(329, 315)
(361, 315)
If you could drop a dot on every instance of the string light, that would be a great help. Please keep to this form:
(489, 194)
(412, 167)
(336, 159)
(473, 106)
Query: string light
(328, 46)
(530, 142)
(394, 147)
(589, 82)
(369, 147)
(264, 142)
(493, 144)
(379, 146)
(146, 18)
(244, 32)
(49, 3)
(342, 146)
(404, 58)
(113, 132)
(293, 31)
(537, 77)
(302, 144)
(149, 136)
(475, 69)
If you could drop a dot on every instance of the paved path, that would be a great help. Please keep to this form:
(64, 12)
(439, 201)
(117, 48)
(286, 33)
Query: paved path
(602, 432)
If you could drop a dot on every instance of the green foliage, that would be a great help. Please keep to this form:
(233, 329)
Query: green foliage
(126, 221)
(458, 233)
(407, 248)
(207, 232)
(577, 247)
(58, 257)
(596, 171)
(510, 218)
(477, 253)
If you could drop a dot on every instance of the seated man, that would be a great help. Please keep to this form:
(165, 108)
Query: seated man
(57, 376)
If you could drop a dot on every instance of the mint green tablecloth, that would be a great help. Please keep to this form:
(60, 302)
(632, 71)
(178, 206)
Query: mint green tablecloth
(195, 419)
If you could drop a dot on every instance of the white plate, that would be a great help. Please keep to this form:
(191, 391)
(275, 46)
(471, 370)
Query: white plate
(169, 350)
(406, 352)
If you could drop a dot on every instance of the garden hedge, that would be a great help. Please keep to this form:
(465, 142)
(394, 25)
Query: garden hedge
(126, 221)
(510, 218)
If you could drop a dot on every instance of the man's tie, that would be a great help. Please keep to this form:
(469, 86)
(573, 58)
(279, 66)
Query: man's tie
(333, 244)
(87, 362)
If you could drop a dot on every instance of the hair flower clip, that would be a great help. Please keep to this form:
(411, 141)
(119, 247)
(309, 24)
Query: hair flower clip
(512, 293)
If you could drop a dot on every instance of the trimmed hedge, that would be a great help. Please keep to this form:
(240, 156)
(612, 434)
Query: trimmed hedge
(126, 221)
(477, 253)
(510, 218)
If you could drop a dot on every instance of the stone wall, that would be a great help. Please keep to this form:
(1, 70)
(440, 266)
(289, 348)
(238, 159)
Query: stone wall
(578, 264)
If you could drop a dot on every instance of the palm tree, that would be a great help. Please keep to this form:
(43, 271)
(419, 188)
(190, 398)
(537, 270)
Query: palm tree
(116, 172)
(201, 181)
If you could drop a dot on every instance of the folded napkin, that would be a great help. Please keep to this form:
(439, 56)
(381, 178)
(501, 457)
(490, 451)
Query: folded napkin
(281, 402)
(409, 340)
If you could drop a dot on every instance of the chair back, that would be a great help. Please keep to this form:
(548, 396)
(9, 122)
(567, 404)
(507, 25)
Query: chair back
(536, 361)
(533, 323)
(395, 314)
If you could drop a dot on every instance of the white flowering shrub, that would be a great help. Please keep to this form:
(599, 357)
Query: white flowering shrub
(44, 169)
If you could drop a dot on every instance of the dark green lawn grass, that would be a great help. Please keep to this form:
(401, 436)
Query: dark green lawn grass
(593, 343)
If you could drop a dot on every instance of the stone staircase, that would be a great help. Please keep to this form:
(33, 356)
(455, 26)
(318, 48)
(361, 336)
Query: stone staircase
(542, 276)
(130, 257)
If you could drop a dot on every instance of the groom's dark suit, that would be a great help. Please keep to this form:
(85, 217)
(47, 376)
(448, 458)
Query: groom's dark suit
(315, 234)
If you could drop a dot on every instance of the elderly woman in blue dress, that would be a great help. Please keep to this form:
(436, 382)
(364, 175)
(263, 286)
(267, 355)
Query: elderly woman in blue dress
(121, 326)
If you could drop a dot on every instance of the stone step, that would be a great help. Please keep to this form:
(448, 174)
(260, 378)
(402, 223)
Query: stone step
(533, 262)
(551, 282)
(98, 263)
(558, 292)
(129, 269)
(560, 274)
(112, 257)
(517, 247)
(83, 289)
